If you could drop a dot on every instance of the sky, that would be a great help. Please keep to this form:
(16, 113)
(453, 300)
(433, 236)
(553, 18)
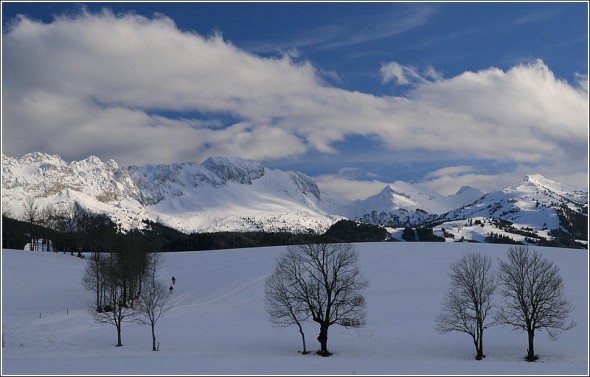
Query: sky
(355, 95)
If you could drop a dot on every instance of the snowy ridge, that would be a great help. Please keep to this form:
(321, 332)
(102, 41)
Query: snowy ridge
(234, 169)
(221, 194)
(43, 175)
(408, 203)
(567, 192)
(234, 194)
(101, 187)
(531, 201)
(275, 201)
(532, 205)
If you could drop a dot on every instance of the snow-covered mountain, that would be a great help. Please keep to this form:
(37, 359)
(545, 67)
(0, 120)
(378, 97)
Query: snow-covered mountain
(536, 207)
(228, 193)
(100, 187)
(234, 194)
(221, 194)
(531, 201)
(403, 203)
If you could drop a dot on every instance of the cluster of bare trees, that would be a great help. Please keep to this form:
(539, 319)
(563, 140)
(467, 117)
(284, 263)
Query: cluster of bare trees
(67, 221)
(321, 282)
(126, 288)
(532, 289)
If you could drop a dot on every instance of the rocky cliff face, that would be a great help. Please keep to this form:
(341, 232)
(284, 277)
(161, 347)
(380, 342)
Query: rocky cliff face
(188, 196)
(41, 175)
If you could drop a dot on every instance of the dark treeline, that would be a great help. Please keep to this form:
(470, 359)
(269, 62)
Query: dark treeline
(342, 231)
(422, 234)
(97, 233)
(353, 231)
(90, 233)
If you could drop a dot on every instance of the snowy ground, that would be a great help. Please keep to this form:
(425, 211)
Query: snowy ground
(219, 325)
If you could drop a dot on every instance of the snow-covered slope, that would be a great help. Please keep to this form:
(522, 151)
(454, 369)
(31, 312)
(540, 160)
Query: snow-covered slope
(531, 201)
(225, 194)
(535, 205)
(219, 325)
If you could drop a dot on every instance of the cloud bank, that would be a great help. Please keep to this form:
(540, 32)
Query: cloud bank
(139, 90)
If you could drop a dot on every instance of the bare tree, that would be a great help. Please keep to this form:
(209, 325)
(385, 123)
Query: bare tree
(68, 215)
(48, 219)
(31, 210)
(117, 279)
(115, 310)
(468, 301)
(326, 279)
(153, 302)
(31, 215)
(534, 293)
(94, 278)
(281, 293)
(155, 260)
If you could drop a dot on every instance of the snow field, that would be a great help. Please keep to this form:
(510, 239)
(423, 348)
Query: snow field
(219, 325)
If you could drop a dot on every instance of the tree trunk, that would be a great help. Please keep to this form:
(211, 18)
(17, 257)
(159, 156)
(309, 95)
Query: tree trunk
(480, 354)
(119, 344)
(479, 347)
(302, 337)
(531, 350)
(97, 293)
(124, 295)
(323, 339)
(476, 344)
(153, 338)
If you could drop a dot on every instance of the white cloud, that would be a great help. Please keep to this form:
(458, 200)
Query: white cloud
(452, 171)
(406, 75)
(582, 81)
(432, 73)
(91, 84)
(394, 71)
(524, 114)
(347, 187)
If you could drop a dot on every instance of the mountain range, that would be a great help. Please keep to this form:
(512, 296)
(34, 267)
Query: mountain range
(235, 194)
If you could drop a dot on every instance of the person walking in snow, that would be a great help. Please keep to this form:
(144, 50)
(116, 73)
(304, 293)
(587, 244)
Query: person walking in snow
(173, 280)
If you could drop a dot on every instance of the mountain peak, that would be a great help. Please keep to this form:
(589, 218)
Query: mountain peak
(92, 159)
(234, 169)
(465, 195)
(534, 178)
(465, 189)
(36, 157)
(388, 189)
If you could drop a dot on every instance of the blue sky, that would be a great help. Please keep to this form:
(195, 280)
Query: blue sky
(356, 95)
